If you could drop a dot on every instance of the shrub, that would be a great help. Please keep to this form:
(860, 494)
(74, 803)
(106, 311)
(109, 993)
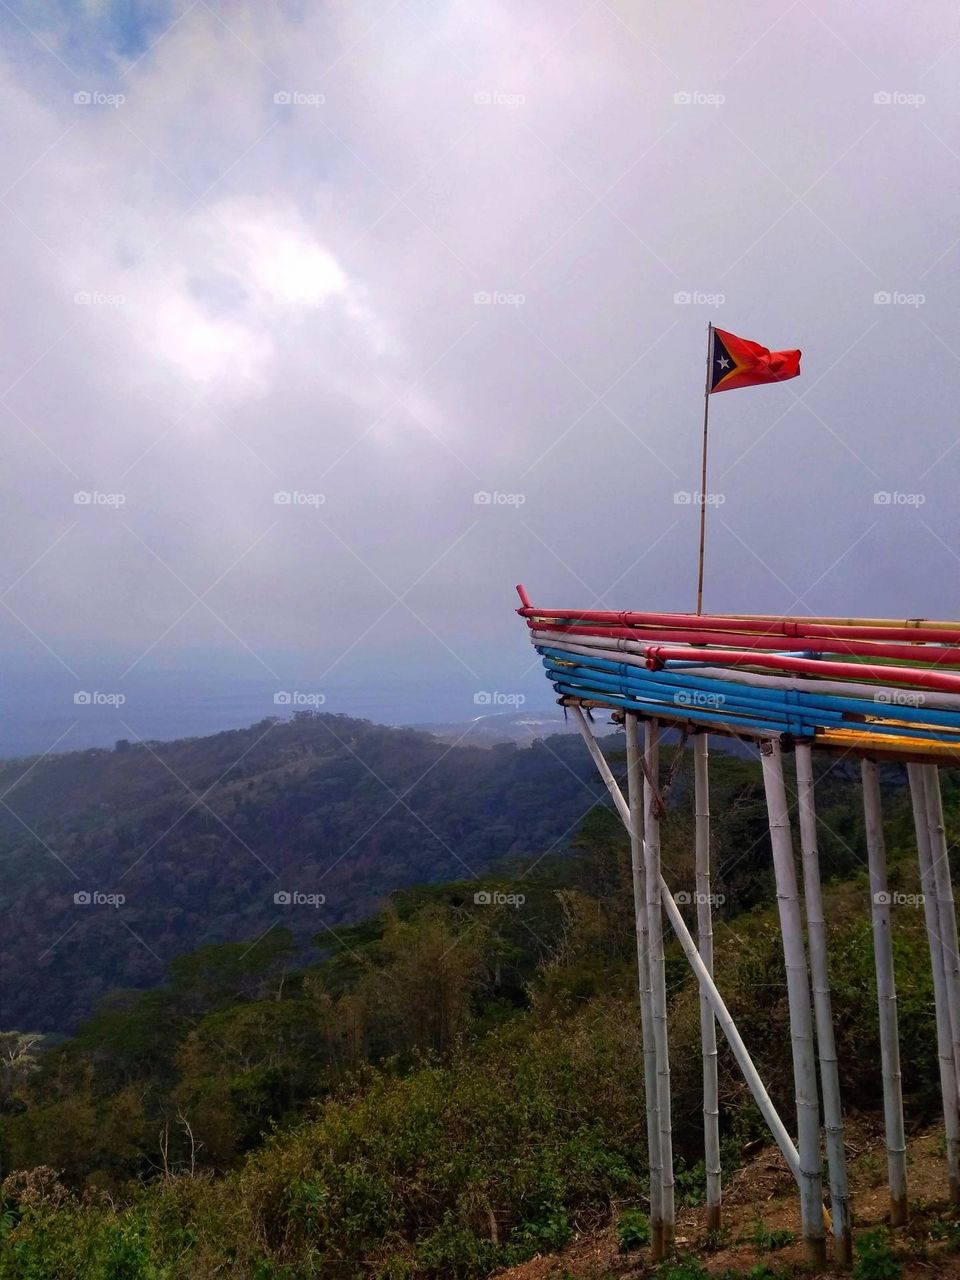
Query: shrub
(633, 1230)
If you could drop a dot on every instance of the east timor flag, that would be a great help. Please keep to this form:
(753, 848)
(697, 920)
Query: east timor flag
(735, 362)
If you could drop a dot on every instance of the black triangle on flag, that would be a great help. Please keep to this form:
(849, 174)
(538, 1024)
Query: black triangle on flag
(721, 362)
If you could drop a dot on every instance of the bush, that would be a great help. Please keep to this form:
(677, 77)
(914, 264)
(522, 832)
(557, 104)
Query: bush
(875, 1260)
(633, 1230)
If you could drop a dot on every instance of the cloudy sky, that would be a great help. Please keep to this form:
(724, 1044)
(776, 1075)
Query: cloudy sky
(382, 257)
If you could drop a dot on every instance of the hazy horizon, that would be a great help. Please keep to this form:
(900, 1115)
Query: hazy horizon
(327, 325)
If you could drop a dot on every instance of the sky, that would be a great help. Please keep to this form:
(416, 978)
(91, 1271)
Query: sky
(324, 325)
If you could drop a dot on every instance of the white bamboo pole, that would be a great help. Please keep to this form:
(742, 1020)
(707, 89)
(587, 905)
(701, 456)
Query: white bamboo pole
(724, 1018)
(798, 995)
(886, 995)
(633, 653)
(946, 912)
(635, 796)
(948, 1072)
(658, 979)
(708, 1025)
(823, 1011)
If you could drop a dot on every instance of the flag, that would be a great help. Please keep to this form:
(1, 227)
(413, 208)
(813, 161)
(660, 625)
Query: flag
(735, 362)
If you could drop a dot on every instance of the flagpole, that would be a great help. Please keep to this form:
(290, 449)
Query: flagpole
(703, 469)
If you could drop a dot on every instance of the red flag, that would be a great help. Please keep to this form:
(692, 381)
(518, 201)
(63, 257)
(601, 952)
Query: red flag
(735, 362)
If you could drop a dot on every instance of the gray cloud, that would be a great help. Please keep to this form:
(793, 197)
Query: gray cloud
(282, 297)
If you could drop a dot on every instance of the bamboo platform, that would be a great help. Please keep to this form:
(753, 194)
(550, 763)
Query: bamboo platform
(878, 689)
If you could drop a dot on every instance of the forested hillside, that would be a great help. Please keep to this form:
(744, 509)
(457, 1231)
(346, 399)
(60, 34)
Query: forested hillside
(455, 1084)
(199, 835)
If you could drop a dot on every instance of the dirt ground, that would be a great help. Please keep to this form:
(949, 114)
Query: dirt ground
(762, 1191)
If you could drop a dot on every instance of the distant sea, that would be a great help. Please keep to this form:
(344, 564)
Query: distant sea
(44, 711)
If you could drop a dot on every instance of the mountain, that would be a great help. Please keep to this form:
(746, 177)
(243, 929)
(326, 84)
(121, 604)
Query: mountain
(114, 861)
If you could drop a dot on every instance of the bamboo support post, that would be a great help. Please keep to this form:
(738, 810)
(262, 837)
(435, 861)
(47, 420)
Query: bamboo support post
(708, 1025)
(724, 1018)
(886, 995)
(822, 1010)
(798, 995)
(946, 912)
(635, 797)
(658, 979)
(948, 1070)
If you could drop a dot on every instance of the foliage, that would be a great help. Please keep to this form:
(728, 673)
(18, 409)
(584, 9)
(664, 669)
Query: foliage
(451, 1083)
(766, 1240)
(874, 1258)
(318, 803)
(684, 1268)
(633, 1230)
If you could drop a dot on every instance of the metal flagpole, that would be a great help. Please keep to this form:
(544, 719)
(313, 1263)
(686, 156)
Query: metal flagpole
(703, 466)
